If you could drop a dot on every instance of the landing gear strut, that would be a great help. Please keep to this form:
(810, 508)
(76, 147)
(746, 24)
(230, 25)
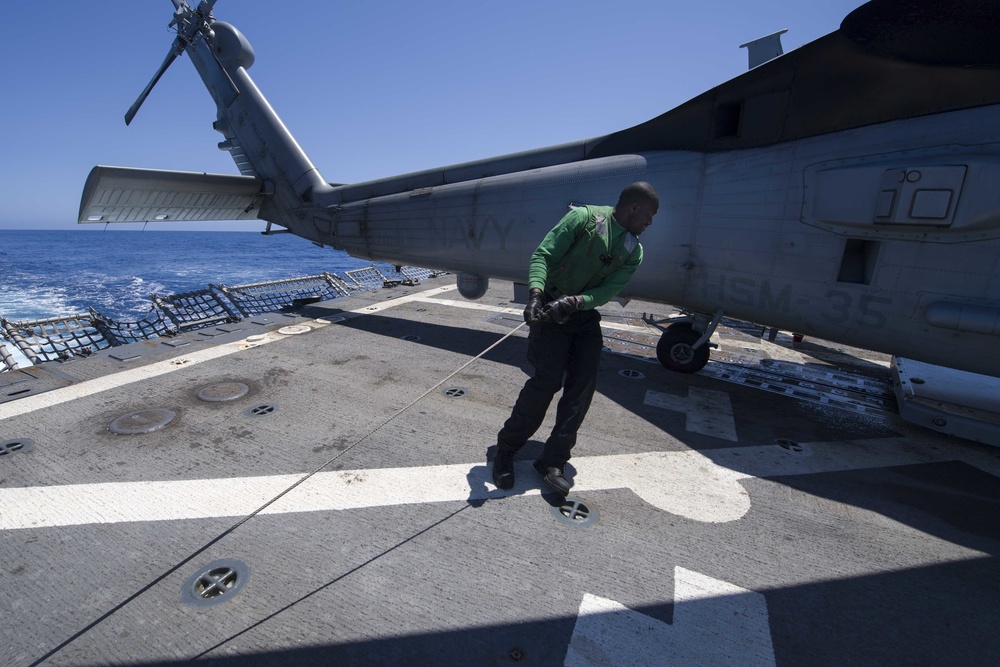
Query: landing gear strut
(684, 345)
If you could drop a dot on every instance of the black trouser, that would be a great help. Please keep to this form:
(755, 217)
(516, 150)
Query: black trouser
(571, 351)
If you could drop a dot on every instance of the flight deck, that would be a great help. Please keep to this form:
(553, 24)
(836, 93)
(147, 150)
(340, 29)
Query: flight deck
(310, 486)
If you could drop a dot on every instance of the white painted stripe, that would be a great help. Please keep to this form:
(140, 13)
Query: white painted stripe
(719, 623)
(409, 298)
(472, 305)
(703, 494)
(709, 412)
(628, 327)
(765, 348)
(115, 380)
(699, 486)
(714, 623)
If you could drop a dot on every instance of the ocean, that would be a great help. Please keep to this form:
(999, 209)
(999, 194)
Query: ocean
(48, 273)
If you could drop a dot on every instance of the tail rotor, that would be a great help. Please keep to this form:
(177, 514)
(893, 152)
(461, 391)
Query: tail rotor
(189, 23)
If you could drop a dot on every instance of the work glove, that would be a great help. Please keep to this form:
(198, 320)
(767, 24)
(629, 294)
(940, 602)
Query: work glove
(533, 311)
(558, 311)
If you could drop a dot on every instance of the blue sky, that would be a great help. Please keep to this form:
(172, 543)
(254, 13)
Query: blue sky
(369, 89)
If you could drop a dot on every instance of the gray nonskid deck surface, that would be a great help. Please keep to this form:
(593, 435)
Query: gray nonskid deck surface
(863, 541)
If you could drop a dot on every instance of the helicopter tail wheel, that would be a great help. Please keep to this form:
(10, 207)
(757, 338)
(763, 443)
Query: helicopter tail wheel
(676, 352)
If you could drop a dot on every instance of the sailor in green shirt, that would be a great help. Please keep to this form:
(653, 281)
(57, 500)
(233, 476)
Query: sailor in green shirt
(581, 264)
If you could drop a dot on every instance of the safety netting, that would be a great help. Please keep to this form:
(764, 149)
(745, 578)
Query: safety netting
(195, 310)
(7, 361)
(407, 275)
(257, 298)
(367, 279)
(53, 339)
(81, 334)
(154, 325)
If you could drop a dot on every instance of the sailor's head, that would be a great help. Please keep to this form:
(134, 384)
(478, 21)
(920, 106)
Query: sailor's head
(637, 204)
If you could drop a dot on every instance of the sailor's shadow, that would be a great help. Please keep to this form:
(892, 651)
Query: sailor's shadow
(479, 493)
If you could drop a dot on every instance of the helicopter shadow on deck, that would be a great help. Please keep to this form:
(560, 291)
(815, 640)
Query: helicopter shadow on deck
(911, 491)
(771, 416)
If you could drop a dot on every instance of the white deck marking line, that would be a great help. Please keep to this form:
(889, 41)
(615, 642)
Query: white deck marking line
(714, 623)
(89, 387)
(409, 298)
(686, 483)
(471, 305)
(115, 380)
(709, 412)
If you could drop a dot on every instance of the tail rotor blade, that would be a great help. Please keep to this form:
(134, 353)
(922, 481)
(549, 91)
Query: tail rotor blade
(174, 51)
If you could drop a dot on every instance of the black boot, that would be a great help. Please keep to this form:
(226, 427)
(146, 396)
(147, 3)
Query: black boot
(503, 468)
(553, 476)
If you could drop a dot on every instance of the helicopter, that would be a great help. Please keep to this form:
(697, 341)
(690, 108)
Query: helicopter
(843, 190)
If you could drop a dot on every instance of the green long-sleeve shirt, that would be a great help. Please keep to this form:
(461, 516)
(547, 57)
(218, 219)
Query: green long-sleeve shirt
(569, 259)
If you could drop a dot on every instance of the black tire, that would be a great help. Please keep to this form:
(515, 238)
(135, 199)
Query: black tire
(674, 350)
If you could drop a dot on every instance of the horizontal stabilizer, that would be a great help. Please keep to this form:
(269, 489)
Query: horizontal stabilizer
(123, 194)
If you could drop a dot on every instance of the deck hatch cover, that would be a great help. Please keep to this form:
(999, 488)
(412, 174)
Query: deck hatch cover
(223, 391)
(575, 513)
(142, 421)
(9, 447)
(216, 582)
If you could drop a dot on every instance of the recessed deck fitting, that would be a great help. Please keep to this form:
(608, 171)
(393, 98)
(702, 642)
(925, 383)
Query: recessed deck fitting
(223, 391)
(261, 410)
(217, 582)
(410, 338)
(631, 374)
(793, 447)
(453, 392)
(10, 447)
(573, 512)
(142, 421)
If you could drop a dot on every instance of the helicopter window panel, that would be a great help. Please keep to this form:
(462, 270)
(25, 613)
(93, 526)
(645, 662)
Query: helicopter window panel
(931, 204)
(926, 195)
(883, 208)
